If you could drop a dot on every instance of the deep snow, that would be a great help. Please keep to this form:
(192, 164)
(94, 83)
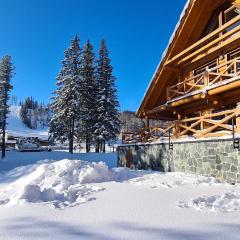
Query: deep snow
(114, 203)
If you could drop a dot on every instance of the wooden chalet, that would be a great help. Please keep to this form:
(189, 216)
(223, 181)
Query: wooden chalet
(196, 87)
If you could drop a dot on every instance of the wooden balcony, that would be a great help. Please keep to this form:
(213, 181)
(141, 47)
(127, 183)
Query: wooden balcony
(227, 34)
(211, 78)
(209, 125)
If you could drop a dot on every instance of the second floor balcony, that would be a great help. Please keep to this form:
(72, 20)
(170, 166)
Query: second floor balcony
(210, 78)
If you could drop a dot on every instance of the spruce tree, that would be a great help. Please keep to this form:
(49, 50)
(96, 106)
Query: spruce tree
(108, 125)
(6, 73)
(65, 103)
(87, 108)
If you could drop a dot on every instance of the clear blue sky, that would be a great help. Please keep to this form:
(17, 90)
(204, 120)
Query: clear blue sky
(36, 33)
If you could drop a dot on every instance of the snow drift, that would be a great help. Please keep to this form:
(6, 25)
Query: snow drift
(173, 180)
(62, 183)
(227, 202)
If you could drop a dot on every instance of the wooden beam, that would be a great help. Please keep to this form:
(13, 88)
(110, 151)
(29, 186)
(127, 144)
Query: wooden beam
(218, 49)
(186, 100)
(224, 88)
(157, 109)
(172, 68)
(202, 41)
(209, 45)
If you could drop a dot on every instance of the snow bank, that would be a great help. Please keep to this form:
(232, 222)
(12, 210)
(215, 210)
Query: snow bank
(227, 202)
(62, 183)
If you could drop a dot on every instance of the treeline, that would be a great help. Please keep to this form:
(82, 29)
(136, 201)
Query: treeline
(6, 73)
(33, 114)
(130, 123)
(85, 105)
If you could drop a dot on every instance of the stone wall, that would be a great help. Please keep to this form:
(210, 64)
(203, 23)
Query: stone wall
(215, 158)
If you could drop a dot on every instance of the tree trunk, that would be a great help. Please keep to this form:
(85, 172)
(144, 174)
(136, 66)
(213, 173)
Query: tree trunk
(97, 147)
(87, 144)
(71, 136)
(3, 138)
(104, 146)
(4, 125)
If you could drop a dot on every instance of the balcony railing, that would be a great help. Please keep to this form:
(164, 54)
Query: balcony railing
(214, 41)
(210, 77)
(209, 125)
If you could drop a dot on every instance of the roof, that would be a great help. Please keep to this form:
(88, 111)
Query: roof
(187, 21)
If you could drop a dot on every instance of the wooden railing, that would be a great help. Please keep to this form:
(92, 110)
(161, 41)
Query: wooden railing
(208, 125)
(210, 77)
(210, 43)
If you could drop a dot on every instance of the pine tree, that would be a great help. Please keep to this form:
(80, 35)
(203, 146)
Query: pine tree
(108, 124)
(87, 108)
(6, 73)
(65, 103)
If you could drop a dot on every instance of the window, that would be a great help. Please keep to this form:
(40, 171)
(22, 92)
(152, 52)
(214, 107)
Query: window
(202, 69)
(233, 55)
(229, 14)
(221, 17)
(213, 24)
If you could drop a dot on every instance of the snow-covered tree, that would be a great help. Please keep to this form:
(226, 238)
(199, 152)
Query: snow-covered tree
(65, 104)
(88, 89)
(108, 124)
(6, 73)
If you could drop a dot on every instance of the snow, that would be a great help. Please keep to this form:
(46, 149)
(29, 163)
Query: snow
(62, 183)
(56, 195)
(17, 128)
(227, 202)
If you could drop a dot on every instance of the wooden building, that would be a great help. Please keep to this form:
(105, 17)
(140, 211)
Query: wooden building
(196, 87)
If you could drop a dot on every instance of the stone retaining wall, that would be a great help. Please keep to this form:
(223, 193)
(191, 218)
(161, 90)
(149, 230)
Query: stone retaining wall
(215, 158)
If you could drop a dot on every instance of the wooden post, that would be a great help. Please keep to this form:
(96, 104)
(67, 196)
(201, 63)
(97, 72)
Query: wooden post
(238, 119)
(206, 78)
(222, 59)
(205, 125)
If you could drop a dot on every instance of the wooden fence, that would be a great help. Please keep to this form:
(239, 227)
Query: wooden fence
(209, 125)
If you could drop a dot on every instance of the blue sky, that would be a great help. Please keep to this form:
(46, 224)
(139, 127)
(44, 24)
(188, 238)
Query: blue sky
(36, 33)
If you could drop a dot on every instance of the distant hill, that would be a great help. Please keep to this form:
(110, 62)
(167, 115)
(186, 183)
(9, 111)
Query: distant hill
(17, 128)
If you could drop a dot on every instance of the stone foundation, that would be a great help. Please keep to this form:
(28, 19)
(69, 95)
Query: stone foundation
(216, 158)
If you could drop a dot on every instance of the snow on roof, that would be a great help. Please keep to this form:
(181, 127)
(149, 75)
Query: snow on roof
(168, 45)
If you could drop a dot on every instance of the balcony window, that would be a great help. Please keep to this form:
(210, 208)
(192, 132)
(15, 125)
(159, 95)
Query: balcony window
(198, 72)
(203, 68)
(229, 14)
(233, 55)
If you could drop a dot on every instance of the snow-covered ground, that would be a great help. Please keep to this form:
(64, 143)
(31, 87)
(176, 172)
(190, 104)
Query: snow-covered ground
(61, 196)
(16, 127)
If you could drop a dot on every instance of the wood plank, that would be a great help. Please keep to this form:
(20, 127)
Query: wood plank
(211, 44)
(203, 40)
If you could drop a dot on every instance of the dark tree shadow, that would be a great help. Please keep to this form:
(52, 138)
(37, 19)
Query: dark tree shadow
(43, 228)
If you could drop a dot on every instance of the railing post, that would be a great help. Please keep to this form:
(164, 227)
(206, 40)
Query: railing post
(238, 118)
(235, 67)
(206, 78)
(175, 129)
